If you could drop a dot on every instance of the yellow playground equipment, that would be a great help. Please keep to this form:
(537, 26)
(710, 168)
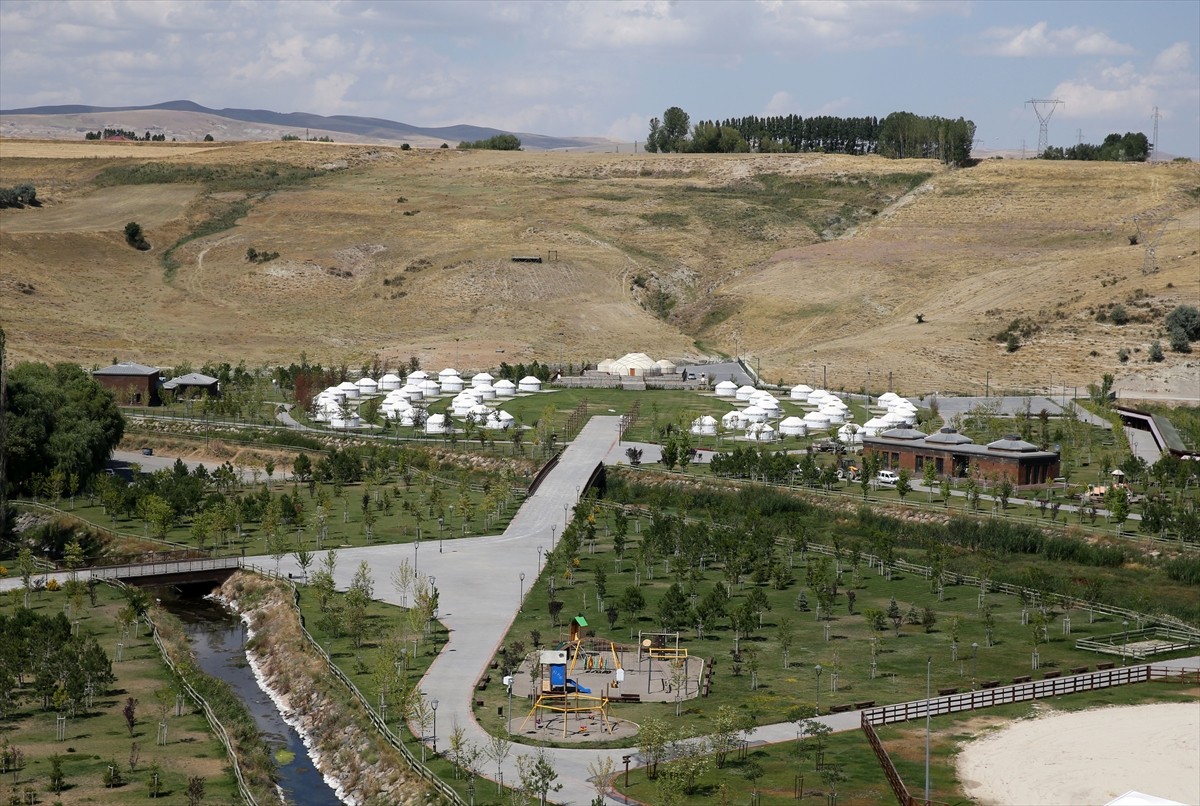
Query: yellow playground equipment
(560, 693)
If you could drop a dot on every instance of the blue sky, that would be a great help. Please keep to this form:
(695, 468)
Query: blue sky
(605, 68)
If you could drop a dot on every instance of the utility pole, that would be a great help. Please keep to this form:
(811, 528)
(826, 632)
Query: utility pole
(1154, 143)
(3, 434)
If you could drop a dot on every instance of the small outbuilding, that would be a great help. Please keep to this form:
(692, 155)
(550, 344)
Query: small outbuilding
(529, 384)
(131, 384)
(193, 384)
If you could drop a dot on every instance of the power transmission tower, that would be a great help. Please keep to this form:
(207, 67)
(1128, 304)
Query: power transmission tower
(1044, 109)
(1150, 229)
(1154, 143)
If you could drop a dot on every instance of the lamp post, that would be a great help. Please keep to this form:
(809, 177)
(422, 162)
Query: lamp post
(1124, 639)
(974, 652)
(553, 531)
(441, 523)
(539, 559)
(626, 759)
(565, 508)
(416, 547)
(434, 704)
(928, 677)
(521, 596)
(818, 670)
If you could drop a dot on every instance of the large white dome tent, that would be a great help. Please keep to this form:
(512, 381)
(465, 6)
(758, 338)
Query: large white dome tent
(351, 391)
(389, 382)
(366, 386)
(726, 389)
(435, 424)
(800, 391)
(732, 420)
(529, 384)
(815, 421)
(761, 432)
(632, 364)
(505, 388)
(704, 426)
(745, 392)
(792, 427)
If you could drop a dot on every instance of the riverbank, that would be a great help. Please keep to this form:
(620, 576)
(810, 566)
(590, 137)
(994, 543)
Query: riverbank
(356, 762)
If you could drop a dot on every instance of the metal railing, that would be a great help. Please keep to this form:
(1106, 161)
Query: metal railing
(1126, 643)
(134, 570)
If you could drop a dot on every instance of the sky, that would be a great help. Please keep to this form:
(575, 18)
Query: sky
(603, 69)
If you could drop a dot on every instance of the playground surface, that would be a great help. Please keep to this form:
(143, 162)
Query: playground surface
(1088, 757)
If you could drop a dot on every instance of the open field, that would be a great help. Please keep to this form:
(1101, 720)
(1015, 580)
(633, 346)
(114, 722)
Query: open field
(802, 260)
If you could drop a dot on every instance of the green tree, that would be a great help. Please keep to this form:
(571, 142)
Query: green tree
(929, 477)
(672, 135)
(538, 775)
(135, 237)
(632, 602)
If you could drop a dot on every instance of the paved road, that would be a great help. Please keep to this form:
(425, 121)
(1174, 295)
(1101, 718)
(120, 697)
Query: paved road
(1142, 444)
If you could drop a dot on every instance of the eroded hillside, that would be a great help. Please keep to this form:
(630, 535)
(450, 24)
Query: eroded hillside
(799, 261)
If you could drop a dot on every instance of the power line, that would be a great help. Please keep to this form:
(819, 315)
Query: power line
(1044, 109)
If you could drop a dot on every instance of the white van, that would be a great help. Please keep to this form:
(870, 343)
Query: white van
(888, 478)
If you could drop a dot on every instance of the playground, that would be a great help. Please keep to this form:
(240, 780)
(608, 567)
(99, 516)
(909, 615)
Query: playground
(574, 693)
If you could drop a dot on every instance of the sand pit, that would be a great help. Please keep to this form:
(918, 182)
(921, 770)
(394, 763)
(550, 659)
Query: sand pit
(1088, 757)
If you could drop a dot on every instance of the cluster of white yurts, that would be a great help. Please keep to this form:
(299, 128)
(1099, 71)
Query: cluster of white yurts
(403, 401)
(824, 412)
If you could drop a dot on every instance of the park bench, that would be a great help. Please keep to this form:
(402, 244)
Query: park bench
(1050, 675)
(840, 709)
(1025, 678)
(631, 698)
(1078, 669)
(990, 684)
(865, 704)
(479, 703)
(946, 692)
(1100, 667)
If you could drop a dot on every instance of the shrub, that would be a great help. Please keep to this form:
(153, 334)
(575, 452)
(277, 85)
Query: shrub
(405, 147)
(1179, 340)
(135, 237)
(1123, 355)
(1156, 351)
(1187, 319)
(1013, 343)
(1118, 315)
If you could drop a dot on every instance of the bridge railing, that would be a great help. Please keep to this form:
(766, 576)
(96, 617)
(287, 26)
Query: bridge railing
(134, 570)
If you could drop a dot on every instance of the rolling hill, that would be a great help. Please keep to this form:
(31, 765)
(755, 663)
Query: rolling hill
(807, 265)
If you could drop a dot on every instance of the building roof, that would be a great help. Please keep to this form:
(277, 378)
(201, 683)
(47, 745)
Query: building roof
(906, 434)
(1012, 443)
(191, 379)
(999, 448)
(127, 368)
(949, 436)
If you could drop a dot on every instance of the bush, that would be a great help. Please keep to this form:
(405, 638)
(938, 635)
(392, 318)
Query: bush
(1179, 340)
(1118, 315)
(135, 237)
(1013, 343)
(1156, 351)
(1185, 318)
(405, 147)
(1123, 355)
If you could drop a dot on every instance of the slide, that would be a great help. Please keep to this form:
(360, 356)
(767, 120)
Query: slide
(573, 685)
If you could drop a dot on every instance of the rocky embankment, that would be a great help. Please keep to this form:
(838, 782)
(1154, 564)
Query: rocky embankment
(355, 760)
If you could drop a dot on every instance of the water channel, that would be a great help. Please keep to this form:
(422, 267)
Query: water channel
(218, 641)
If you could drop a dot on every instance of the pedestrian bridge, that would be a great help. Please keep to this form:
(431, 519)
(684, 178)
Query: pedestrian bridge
(176, 572)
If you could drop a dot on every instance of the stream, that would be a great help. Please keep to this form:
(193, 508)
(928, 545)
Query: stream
(217, 637)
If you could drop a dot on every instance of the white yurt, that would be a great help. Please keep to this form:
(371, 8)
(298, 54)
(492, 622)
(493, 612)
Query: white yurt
(462, 403)
(366, 386)
(414, 378)
(485, 392)
(800, 391)
(479, 414)
(815, 421)
(874, 426)
(605, 366)
(792, 427)
(726, 389)
(403, 393)
(816, 397)
(705, 426)
(336, 391)
(448, 372)
(504, 388)
(389, 382)
(745, 392)
(481, 379)
(850, 435)
(761, 432)
(888, 398)
(451, 383)
(499, 421)
(665, 367)
(414, 393)
(632, 364)
(429, 388)
(529, 384)
(754, 414)
(770, 405)
(894, 420)
(732, 420)
(344, 420)
(761, 395)
(436, 424)
(836, 416)
(349, 390)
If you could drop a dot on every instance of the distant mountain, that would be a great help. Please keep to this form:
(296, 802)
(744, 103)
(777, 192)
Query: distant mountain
(360, 127)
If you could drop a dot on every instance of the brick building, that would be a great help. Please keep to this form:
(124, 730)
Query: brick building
(955, 454)
(131, 384)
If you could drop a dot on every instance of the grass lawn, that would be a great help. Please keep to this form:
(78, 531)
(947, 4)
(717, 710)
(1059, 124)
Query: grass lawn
(100, 737)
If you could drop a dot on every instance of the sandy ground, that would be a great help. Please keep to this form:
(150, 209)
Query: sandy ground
(1088, 757)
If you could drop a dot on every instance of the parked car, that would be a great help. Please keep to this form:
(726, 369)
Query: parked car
(888, 478)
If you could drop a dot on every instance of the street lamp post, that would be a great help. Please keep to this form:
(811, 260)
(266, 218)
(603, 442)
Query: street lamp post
(521, 596)
(434, 704)
(416, 547)
(441, 523)
(818, 670)
(974, 652)
(553, 531)
(539, 559)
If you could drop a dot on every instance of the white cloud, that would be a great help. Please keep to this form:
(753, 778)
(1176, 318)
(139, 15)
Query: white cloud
(1040, 39)
(1174, 59)
(631, 127)
(781, 103)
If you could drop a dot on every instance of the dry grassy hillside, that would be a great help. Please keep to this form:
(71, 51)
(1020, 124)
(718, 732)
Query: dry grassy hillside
(800, 260)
